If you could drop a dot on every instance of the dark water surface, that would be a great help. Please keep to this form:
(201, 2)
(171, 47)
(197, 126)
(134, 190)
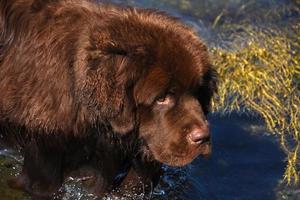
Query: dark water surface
(246, 163)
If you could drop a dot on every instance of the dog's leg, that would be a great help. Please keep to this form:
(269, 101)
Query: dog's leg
(141, 178)
(42, 173)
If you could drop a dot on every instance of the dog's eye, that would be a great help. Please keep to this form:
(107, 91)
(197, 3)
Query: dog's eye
(166, 100)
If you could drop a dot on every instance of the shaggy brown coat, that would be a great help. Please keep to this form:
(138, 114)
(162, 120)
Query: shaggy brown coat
(83, 83)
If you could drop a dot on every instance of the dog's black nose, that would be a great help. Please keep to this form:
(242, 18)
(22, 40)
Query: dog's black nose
(199, 136)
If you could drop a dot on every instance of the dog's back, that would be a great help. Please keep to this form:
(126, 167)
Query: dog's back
(38, 44)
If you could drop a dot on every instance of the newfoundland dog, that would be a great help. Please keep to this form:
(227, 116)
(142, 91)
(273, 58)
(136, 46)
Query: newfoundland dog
(100, 87)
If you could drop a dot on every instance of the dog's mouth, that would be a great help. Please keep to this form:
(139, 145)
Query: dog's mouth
(182, 159)
(174, 158)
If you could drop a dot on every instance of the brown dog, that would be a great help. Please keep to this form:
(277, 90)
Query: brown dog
(84, 83)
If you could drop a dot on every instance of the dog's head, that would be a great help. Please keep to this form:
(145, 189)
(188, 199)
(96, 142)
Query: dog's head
(155, 79)
(173, 98)
(172, 117)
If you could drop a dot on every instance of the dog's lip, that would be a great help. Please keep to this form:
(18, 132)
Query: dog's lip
(203, 149)
(204, 154)
(206, 150)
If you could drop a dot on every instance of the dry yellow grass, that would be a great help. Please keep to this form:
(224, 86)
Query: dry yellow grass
(262, 75)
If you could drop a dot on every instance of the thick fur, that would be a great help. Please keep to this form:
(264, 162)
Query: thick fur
(89, 84)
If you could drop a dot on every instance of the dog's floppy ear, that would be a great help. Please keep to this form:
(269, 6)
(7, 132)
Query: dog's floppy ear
(208, 86)
(125, 63)
(107, 87)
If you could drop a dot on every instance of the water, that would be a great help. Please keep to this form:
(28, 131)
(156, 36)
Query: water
(247, 162)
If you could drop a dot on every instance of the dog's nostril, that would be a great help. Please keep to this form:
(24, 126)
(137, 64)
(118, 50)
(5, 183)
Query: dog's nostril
(199, 136)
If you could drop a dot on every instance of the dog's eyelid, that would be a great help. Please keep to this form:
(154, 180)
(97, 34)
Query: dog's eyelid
(165, 100)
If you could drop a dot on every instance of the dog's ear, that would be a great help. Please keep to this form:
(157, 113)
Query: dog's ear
(208, 87)
(107, 87)
(126, 72)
